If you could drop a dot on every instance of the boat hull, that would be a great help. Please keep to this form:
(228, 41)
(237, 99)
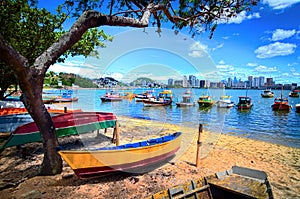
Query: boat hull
(61, 100)
(281, 107)
(267, 95)
(237, 183)
(297, 108)
(225, 104)
(111, 99)
(66, 124)
(183, 104)
(132, 157)
(156, 103)
(244, 106)
(205, 104)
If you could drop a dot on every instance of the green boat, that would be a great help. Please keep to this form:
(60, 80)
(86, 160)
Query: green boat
(66, 124)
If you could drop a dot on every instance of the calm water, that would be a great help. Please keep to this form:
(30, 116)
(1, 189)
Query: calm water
(261, 122)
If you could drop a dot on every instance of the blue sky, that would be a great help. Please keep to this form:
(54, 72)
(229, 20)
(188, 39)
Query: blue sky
(263, 42)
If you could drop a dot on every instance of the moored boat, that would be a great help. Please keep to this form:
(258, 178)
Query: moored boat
(187, 99)
(131, 157)
(66, 124)
(164, 98)
(238, 183)
(281, 104)
(225, 102)
(297, 106)
(111, 96)
(244, 102)
(65, 97)
(267, 93)
(205, 101)
(147, 95)
(294, 93)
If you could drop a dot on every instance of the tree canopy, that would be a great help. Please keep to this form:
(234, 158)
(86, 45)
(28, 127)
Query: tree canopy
(33, 39)
(30, 31)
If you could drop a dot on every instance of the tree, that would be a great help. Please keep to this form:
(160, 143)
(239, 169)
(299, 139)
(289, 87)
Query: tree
(30, 31)
(31, 72)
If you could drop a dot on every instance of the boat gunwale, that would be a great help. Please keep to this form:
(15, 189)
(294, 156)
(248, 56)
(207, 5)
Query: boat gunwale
(175, 136)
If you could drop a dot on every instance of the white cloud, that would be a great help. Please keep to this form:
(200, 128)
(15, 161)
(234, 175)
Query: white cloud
(198, 50)
(225, 67)
(221, 62)
(218, 47)
(262, 69)
(275, 49)
(281, 34)
(280, 4)
(239, 18)
(252, 64)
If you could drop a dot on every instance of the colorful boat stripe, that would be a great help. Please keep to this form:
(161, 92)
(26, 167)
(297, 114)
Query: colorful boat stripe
(65, 124)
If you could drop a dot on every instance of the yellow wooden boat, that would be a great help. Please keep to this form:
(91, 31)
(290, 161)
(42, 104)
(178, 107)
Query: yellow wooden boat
(132, 157)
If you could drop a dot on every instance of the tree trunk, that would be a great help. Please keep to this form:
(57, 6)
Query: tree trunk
(32, 99)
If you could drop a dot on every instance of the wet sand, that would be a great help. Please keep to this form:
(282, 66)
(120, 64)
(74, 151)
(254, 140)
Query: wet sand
(18, 177)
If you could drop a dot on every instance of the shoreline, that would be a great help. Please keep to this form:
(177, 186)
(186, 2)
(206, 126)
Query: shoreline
(219, 152)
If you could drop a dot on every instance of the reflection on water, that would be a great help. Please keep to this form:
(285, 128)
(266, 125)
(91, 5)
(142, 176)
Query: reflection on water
(260, 122)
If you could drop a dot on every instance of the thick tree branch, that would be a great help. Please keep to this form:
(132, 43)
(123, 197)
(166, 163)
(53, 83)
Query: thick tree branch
(10, 56)
(18, 63)
(87, 20)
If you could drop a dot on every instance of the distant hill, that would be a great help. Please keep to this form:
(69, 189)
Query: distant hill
(142, 80)
(52, 79)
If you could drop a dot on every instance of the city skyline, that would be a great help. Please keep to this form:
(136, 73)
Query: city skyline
(251, 82)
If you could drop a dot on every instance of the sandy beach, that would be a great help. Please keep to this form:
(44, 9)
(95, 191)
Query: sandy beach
(19, 175)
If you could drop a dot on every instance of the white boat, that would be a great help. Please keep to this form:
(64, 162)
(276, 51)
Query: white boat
(187, 99)
(111, 96)
(225, 102)
(267, 93)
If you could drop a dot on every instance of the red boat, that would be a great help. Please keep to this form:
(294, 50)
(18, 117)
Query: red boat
(244, 103)
(281, 104)
(66, 124)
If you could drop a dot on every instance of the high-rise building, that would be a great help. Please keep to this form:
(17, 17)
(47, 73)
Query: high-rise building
(270, 82)
(185, 82)
(192, 80)
(202, 84)
(261, 81)
(170, 82)
(255, 82)
(229, 83)
(250, 79)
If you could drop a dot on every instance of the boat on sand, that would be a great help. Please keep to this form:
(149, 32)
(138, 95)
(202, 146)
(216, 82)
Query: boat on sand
(237, 183)
(138, 157)
(66, 124)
